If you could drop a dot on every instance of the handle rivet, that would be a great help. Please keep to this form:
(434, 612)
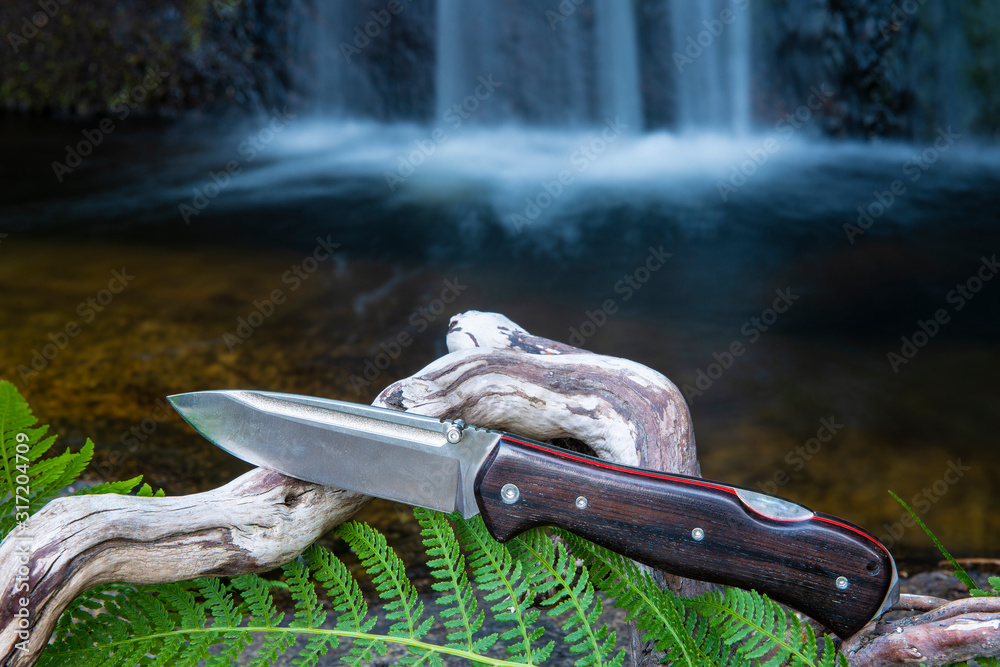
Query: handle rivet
(454, 432)
(841, 583)
(581, 502)
(698, 534)
(510, 493)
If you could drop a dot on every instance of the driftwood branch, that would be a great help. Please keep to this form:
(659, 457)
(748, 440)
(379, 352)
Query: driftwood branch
(495, 375)
(255, 523)
(946, 633)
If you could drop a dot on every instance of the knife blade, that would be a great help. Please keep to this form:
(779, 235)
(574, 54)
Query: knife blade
(826, 567)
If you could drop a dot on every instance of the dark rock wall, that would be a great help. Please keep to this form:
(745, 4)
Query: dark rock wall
(160, 56)
(849, 47)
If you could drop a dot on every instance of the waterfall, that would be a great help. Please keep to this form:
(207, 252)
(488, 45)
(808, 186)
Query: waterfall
(342, 87)
(739, 72)
(711, 42)
(618, 62)
(570, 64)
(557, 67)
(448, 58)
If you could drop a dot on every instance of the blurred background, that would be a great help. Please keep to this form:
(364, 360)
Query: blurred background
(788, 208)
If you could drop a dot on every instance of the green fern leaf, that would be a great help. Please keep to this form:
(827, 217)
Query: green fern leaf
(225, 617)
(27, 481)
(256, 595)
(554, 572)
(146, 491)
(657, 613)
(460, 614)
(120, 487)
(402, 605)
(504, 580)
(309, 613)
(754, 627)
(346, 598)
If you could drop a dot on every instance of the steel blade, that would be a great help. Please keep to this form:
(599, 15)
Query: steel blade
(385, 453)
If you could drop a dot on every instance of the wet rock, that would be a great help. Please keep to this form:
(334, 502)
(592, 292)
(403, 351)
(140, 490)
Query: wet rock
(162, 57)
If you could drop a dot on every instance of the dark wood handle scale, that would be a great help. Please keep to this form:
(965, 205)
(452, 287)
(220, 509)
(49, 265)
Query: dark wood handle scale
(825, 567)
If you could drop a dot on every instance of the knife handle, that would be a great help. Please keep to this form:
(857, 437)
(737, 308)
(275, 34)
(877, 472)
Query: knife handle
(825, 567)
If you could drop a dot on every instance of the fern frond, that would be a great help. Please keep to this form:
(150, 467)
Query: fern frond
(309, 612)
(225, 617)
(120, 487)
(658, 613)
(402, 603)
(460, 614)
(257, 596)
(27, 481)
(346, 598)
(754, 627)
(569, 592)
(504, 580)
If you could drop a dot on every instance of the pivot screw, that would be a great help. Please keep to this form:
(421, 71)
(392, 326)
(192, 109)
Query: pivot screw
(698, 534)
(842, 583)
(581, 502)
(510, 493)
(454, 432)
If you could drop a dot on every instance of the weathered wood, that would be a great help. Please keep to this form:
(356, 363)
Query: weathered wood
(255, 523)
(949, 633)
(496, 375)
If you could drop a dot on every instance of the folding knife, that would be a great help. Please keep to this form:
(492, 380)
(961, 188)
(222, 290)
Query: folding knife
(827, 568)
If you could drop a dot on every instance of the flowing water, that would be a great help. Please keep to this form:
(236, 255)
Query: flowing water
(770, 274)
(449, 230)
